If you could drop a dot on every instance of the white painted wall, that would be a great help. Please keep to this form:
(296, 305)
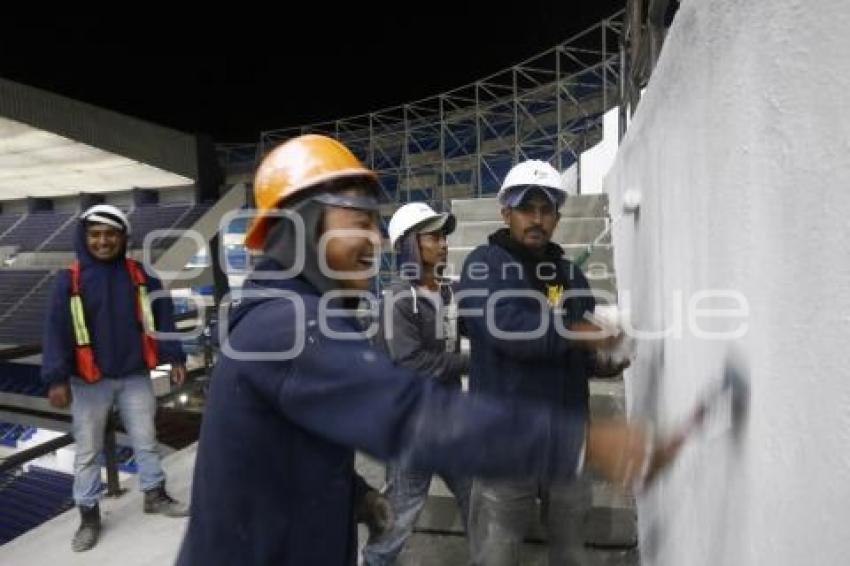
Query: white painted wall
(741, 149)
(597, 161)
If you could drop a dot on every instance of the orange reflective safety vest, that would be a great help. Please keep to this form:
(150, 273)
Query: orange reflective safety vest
(87, 367)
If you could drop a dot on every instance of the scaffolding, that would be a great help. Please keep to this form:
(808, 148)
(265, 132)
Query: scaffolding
(461, 143)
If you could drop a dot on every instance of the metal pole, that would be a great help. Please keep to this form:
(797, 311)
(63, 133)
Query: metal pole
(443, 127)
(113, 487)
(605, 66)
(479, 182)
(14, 460)
(558, 160)
(623, 79)
(516, 116)
(405, 153)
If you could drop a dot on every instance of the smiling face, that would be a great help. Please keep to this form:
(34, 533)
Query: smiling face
(351, 255)
(105, 242)
(533, 221)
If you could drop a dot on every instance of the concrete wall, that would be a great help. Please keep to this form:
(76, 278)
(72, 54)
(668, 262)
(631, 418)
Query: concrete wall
(740, 150)
(177, 195)
(597, 161)
(122, 200)
(15, 206)
(66, 204)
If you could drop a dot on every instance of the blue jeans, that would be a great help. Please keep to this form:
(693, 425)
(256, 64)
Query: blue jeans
(502, 512)
(407, 492)
(90, 407)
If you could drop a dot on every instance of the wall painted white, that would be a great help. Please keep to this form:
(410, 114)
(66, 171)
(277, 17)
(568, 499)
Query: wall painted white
(741, 150)
(597, 161)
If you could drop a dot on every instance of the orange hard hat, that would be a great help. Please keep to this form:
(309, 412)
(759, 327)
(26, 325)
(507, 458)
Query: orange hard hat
(296, 166)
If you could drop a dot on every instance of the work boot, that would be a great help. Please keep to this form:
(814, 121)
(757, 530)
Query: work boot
(89, 531)
(158, 501)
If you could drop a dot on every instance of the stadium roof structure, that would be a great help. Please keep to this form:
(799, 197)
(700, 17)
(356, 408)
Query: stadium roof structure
(52, 146)
(461, 143)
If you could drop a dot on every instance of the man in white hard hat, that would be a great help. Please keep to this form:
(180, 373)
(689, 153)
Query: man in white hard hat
(97, 353)
(528, 271)
(419, 331)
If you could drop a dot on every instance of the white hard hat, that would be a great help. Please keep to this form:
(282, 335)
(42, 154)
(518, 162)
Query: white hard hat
(529, 174)
(422, 218)
(107, 214)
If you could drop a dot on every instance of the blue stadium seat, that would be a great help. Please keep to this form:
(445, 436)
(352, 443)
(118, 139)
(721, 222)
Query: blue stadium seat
(28, 499)
(35, 229)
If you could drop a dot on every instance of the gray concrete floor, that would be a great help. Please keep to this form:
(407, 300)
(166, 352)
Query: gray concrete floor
(141, 540)
(446, 546)
(429, 549)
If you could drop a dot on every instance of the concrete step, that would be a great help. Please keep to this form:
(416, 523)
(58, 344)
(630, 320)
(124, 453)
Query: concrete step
(607, 398)
(611, 521)
(577, 206)
(458, 190)
(607, 286)
(602, 255)
(570, 230)
(605, 527)
(425, 548)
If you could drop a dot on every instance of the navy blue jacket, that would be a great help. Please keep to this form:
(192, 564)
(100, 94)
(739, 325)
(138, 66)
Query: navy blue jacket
(109, 301)
(274, 478)
(548, 368)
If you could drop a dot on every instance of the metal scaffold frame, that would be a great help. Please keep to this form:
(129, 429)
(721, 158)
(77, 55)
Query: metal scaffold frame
(461, 143)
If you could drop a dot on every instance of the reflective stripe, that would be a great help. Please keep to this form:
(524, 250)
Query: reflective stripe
(80, 331)
(86, 364)
(147, 314)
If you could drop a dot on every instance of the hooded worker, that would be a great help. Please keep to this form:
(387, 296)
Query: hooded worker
(98, 352)
(419, 331)
(299, 387)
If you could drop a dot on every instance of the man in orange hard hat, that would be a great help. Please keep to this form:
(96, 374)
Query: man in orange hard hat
(298, 387)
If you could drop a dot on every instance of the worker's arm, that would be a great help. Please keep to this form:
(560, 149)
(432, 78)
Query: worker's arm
(170, 351)
(351, 394)
(371, 507)
(58, 345)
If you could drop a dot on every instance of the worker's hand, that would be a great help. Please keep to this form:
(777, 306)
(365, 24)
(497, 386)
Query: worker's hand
(618, 452)
(626, 455)
(664, 453)
(593, 337)
(613, 358)
(59, 395)
(178, 374)
(375, 511)
(606, 367)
